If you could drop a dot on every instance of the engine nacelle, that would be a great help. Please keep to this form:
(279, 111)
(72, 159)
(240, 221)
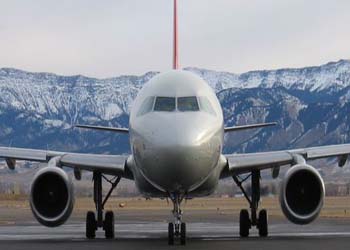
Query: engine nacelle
(302, 194)
(52, 196)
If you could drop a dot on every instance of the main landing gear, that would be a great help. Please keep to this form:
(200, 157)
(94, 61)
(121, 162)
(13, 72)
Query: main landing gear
(177, 228)
(246, 222)
(93, 223)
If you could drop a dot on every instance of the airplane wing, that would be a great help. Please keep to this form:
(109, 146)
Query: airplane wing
(107, 164)
(251, 126)
(111, 129)
(244, 163)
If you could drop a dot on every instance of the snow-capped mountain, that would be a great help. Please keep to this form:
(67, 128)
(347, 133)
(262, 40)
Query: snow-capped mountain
(333, 75)
(311, 105)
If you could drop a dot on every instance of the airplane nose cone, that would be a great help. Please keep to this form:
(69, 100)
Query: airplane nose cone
(182, 159)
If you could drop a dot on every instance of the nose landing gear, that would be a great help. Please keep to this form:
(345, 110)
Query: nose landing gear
(177, 228)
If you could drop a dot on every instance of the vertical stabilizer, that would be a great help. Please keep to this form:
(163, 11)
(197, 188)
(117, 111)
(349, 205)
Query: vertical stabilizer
(176, 46)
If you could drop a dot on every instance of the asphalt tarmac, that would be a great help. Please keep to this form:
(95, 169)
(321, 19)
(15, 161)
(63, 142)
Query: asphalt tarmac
(212, 233)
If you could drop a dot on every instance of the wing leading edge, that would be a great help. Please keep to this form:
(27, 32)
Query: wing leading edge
(251, 126)
(244, 163)
(111, 129)
(107, 164)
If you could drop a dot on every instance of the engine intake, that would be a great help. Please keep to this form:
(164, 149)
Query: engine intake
(52, 196)
(302, 194)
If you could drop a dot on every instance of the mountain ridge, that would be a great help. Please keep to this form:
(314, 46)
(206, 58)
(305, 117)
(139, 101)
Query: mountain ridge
(342, 64)
(311, 105)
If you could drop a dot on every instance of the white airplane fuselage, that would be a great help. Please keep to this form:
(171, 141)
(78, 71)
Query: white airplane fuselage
(176, 150)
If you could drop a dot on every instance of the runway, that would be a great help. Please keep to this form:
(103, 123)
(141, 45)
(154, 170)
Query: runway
(132, 234)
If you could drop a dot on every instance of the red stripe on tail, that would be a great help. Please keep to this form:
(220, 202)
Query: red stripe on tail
(176, 48)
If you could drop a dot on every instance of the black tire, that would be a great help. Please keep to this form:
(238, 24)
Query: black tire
(244, 223)
(183, 234)
(108, 225)
(263, 223)
(91, 225)
(171, 233)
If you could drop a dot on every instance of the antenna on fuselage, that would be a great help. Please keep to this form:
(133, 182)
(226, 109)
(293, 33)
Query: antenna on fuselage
(176, 46)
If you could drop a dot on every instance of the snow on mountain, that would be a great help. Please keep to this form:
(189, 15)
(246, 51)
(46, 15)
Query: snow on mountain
(310, 104)
(333, 75)
(65, 97)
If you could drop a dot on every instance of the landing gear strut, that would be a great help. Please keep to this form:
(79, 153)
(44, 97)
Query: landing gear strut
(93, 223)
(177, 228)
(246, 222)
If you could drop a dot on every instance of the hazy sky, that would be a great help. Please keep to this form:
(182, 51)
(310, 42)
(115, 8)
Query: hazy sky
(111, 37)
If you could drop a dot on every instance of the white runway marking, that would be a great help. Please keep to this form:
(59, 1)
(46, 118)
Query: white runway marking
(202, 231)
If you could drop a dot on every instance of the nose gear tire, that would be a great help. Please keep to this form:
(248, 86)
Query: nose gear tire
(171, 233)
(183, 234)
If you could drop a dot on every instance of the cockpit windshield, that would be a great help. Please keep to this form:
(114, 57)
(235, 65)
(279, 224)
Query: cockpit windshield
(189, 103)
(165, 104)
(172, 104)
(206, 105)
(147, 106)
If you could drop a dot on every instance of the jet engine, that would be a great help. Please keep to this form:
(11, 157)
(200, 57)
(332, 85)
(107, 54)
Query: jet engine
(51, 196)
(302, 194)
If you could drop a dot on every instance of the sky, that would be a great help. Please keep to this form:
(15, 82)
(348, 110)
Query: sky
(108, 38)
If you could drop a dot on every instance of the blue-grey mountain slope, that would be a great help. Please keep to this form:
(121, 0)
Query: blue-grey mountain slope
(310, 104)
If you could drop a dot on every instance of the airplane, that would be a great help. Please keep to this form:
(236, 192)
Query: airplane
(176, 131)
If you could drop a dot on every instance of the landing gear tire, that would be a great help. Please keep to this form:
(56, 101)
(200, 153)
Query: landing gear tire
(91, 225)
(108, 225)
(171, 233)
(263, 223)
(244, 223)
(183, 234)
